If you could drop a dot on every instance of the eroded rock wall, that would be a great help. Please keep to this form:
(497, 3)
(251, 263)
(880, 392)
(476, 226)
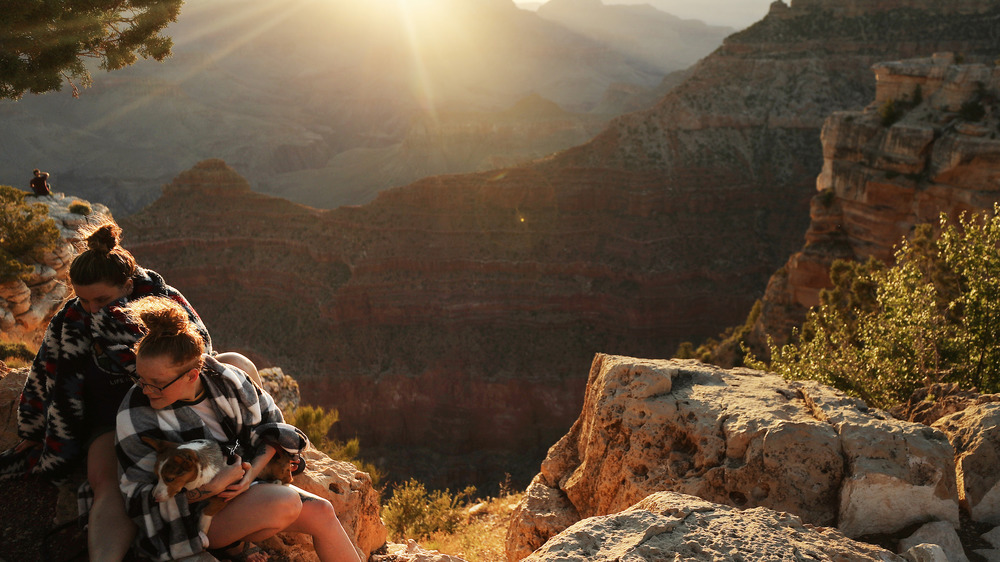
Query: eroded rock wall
(26, 305)
(741, 438)
(927, 145)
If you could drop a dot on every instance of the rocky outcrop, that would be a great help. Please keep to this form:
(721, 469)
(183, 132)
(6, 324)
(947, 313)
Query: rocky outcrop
(283, 388)
(975, 435)
(672, 526)
(741, 438)
(353, 497)
(26, 305)
(926, 146)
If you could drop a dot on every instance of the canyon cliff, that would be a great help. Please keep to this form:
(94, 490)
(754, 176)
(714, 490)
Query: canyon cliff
(449, 319)
(927, 145)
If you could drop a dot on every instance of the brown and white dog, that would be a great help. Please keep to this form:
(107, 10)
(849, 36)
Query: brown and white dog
(190, 465)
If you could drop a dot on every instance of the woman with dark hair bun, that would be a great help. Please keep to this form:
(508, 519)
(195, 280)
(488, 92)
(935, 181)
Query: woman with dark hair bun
(182, 395)
(81, 373)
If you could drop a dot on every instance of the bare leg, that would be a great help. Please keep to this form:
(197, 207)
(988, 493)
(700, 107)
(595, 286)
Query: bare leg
(109, 529)
(319, 519)
(243, 517)
(241, 362)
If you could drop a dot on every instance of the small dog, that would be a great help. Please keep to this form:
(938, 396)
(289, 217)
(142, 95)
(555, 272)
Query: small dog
(188, 466)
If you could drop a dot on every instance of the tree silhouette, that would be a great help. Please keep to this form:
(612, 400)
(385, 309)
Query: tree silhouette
(46, 43)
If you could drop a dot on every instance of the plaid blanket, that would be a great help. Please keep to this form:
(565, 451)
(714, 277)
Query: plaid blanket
(170, 529)
(52, 409)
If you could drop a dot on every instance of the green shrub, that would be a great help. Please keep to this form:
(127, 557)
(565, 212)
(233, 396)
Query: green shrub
(15, 350)
(25, 232)
(79, 208)
(882, 332)
(316, 423)
(11, 268)
(412, 512)
(827, 196)
(890, 112)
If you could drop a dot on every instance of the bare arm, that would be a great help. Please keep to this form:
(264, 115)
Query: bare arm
(230, 474)
(253, 468)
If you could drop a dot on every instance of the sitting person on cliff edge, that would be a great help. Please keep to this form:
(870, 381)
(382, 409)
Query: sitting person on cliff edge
(181, 395)
(84, 367)
(40, 183)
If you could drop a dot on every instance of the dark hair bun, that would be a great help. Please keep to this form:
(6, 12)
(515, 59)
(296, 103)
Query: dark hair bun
(105, 238)
(168, 329)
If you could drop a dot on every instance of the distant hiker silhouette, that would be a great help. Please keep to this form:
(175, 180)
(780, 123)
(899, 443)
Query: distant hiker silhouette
(40, 184)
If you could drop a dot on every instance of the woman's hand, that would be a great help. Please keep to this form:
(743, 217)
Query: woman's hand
(217, 486)
(25, 444)
(252, 470)
(240, 486)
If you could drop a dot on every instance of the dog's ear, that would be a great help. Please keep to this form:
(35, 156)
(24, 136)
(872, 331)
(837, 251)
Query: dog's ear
(185, 460)
(155, 443)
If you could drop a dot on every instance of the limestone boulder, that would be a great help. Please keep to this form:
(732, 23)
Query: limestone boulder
(897, 474)
(940, 534)
(353, 497)
(975, 435)
(412, 552)
(741, 438)
(672, 526)
(925, 552)
(283, 388)
(544, 512)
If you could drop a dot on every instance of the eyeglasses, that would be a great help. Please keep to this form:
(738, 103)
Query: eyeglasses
(159, 389)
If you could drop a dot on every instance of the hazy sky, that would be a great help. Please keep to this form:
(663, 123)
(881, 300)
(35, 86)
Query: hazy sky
(734, 13)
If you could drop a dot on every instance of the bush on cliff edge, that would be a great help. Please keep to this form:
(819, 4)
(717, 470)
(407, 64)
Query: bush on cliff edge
(883, 331)
(316, 423)
(26, 231)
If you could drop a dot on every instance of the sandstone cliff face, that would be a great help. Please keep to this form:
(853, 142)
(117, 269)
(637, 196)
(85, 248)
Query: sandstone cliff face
(652, 430)
(27, 305)
(745, 124)
(880, 179)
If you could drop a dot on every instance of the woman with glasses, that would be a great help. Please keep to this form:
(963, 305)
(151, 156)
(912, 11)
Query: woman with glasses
(81, 373)
(181, 395)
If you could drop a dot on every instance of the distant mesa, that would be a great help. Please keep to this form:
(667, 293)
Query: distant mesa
(212, 174)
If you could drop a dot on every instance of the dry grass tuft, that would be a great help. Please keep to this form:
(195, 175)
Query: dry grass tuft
(481, 537)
